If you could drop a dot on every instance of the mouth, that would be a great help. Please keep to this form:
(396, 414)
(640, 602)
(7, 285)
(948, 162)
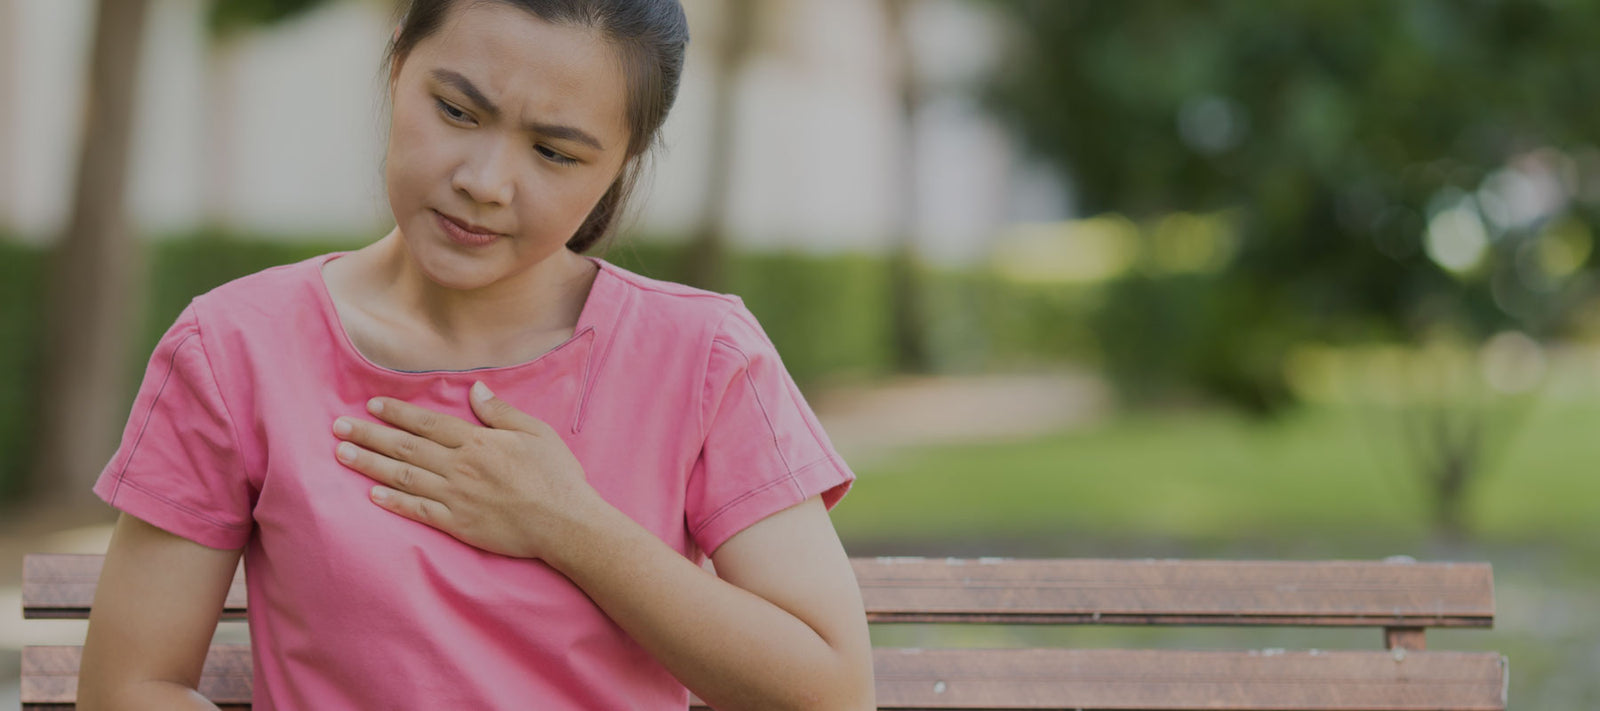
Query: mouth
(464, 233)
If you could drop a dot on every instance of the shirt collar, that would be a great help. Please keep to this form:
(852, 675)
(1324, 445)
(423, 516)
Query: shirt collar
(579, 359)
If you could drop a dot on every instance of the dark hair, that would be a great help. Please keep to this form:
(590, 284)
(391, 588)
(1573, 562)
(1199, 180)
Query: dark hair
(650, 37)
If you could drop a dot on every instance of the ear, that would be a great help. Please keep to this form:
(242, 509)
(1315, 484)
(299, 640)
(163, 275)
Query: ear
(394, 72)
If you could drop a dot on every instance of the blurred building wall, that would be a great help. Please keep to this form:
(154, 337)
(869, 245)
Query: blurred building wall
(9, 61)
(281, 132)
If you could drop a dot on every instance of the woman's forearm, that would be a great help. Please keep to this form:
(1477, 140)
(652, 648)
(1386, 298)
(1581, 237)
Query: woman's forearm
(147, 696)
(732, 648)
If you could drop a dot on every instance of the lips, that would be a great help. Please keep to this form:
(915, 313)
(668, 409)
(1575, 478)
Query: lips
(470, 227)
(465, 233)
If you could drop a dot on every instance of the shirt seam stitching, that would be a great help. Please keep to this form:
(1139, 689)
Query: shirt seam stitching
(794, 392)
(181, 507)
(755, 393)
(630, 278)
(172, 364)
(592, 369)
(716, 335)
(791, 477)
(211, 370)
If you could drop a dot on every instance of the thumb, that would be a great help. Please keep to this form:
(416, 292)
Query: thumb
(498, 413)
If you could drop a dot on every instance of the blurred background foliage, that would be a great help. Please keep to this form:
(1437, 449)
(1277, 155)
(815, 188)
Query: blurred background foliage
(229, 17)
(1393, 170)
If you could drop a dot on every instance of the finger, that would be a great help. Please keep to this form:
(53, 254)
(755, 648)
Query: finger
(417, 508)
(502, 415)
(437, 426)
(405, 477)
(393, 443)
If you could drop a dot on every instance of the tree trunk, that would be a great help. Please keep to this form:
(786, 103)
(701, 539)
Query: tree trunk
(907, 320)
(707, 253)
(1458, 437)
(93, 295)
(224, 77)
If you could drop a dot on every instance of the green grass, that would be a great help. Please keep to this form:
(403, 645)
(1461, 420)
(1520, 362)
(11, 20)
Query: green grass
(1324, 473)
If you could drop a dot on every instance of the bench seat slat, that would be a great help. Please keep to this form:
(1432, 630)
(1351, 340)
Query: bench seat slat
(1177, 592)
(1039, 679)
(50, 676)
(1049, 591)
(60, 586)
(1171, 679)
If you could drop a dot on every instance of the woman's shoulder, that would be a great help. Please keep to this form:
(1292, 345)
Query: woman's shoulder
(658, 301)
(280, 295)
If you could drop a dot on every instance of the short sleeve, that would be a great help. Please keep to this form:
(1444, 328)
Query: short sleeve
(764, 450)
(179, 467)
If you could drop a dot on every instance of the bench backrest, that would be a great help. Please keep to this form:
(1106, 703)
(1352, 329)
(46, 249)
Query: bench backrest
(1402, 598)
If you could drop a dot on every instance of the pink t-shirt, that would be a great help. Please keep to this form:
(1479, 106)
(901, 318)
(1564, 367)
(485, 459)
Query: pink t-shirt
(672, 398)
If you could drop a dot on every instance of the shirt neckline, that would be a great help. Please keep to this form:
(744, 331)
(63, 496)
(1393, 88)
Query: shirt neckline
(587, 317)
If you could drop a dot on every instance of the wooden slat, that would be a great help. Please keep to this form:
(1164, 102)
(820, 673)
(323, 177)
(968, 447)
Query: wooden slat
(61, 586)
(1044, 679)
(1177, 592)
(1158, 679)
(50, 676)
(1017, 591)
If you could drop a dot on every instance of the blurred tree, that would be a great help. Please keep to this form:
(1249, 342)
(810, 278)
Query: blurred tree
(737, 25)
(96, 265)
(92, 272)
(905, 302)
(1342, 131)
(1399, 170)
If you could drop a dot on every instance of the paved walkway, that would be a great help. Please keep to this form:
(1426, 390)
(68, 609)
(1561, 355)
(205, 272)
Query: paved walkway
(865, 424)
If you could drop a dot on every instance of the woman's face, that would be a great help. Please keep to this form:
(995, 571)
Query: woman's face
(505, 123)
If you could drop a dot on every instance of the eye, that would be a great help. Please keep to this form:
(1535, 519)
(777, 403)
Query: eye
(553, 156)
(452, 112)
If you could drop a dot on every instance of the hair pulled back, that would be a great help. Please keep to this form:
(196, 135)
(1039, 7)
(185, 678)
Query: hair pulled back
(649, 36)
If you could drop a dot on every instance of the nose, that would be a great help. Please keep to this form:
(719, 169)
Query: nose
(488, 176)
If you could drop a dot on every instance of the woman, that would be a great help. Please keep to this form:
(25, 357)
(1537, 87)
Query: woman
(538, 543)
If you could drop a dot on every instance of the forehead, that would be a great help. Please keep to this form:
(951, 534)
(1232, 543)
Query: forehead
(531, 69)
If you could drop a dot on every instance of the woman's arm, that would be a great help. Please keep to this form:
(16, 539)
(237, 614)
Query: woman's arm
(150, 625)
(783, 627)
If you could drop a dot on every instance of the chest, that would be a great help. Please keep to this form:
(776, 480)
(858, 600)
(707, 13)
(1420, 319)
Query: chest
(319, 538)
(631, 446)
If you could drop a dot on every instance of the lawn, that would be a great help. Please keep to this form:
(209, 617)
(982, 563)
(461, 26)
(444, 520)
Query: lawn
(1329, 474)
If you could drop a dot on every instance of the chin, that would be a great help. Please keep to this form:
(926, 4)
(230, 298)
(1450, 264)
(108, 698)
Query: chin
(448, 268)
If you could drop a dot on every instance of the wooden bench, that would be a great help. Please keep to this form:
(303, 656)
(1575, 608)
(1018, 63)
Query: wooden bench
(1403, 598)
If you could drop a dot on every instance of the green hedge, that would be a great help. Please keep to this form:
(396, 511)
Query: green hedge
(21, 324)
(828, 315)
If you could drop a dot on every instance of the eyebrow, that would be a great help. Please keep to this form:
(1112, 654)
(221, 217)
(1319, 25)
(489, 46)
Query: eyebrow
(556, 131)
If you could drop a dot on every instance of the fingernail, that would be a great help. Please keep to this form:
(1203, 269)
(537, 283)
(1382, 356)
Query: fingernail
(480, 392)
(341, 427)
(375, 405)
(346, 451)
(379, 493)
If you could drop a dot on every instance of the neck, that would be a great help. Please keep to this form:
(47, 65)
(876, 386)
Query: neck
(544, 298)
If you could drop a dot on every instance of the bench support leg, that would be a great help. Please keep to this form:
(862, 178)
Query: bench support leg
(1411, 639)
